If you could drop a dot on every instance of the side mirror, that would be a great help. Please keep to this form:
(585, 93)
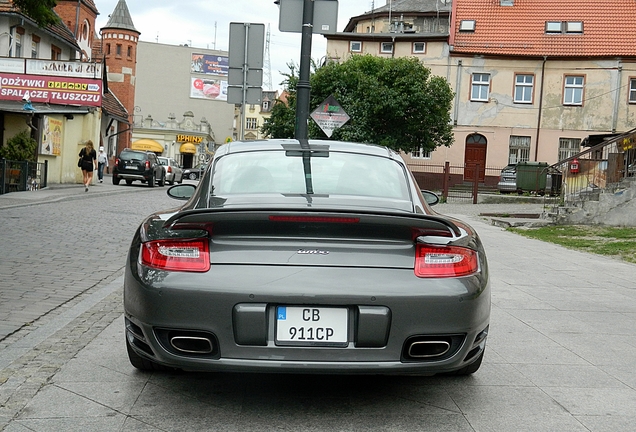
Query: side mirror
(431, 198)
(181, 192)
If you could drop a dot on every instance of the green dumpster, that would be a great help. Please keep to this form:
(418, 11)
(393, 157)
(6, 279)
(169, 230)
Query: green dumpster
(531, 176)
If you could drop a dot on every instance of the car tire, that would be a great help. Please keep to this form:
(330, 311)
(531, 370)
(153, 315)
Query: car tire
(471, 368)
(171, 182)
(142, 363)
(162, 181)
(128, 182)
(192, 176)
(152, 180)
(181, 179)
(116, 180)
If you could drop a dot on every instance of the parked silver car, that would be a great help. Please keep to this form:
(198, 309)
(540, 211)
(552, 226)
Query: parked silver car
(310, 256)
(174, 173)
(508, 179)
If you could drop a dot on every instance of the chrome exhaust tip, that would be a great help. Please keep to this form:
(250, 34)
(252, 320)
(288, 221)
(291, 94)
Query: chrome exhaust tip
(192, 344)
(428, 349)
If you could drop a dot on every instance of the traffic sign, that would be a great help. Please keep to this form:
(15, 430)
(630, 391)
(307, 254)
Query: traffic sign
(329, 115)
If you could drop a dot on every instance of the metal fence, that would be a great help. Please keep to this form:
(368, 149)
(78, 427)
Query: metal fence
(18, 176)
(597, 168)
(456, 183)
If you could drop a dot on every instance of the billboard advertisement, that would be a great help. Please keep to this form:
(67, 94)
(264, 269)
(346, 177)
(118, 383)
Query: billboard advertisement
(208, 88)
(210, 64)
(51, 141)
(53, 90)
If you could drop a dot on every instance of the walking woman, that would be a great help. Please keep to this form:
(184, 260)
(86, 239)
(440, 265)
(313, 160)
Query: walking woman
(89, 163)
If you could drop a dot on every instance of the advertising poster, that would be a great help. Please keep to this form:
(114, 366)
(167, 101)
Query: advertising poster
(53, 90)
(210, 64)
(51, 136)
(210, 89)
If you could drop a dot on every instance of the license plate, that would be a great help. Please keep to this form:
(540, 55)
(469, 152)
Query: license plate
(311, 325)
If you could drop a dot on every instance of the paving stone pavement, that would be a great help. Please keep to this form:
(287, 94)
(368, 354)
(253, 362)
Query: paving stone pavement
(560, 354)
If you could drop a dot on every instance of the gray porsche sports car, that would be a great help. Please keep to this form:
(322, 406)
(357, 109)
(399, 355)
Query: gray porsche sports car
(306, 256)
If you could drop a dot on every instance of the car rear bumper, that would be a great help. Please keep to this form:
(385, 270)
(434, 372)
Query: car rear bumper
(454, 310)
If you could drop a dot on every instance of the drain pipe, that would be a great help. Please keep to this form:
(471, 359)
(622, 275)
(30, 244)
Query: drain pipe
(457, 92)
(619, 79)
(536, 144)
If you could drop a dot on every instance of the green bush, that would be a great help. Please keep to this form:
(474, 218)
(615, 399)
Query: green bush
(20, 147)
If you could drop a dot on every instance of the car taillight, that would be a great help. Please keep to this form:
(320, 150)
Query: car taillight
(117, 162)
(444, 261)
(169, 169)
(147, 164)
(191, 255)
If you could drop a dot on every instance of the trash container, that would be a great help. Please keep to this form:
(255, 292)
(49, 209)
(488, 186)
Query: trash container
(531, 176)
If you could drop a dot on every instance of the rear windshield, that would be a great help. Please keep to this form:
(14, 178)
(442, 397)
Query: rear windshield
(163, 161)
(132, 156)
(337, 174)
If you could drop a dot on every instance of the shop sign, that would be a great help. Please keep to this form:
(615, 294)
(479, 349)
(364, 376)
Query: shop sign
(53, 90)
(64, 68)
(189, 139)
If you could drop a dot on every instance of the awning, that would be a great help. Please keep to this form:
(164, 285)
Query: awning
(41, 108)
(147, 144)
(188, 148)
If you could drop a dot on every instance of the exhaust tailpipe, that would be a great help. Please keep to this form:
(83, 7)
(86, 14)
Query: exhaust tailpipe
(428, 349)
(192, 344)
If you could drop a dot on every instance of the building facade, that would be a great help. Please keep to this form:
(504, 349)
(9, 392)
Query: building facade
(532, 79)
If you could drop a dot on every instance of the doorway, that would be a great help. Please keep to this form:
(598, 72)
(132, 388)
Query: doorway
(474, 157)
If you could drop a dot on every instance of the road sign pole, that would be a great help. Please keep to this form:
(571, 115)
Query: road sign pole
(245, 69)
(304, 88)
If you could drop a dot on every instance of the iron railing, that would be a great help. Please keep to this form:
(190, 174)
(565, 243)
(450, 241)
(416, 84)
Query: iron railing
(601, 167)
(18, 176)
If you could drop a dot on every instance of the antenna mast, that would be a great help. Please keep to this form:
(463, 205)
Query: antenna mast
(267, 64)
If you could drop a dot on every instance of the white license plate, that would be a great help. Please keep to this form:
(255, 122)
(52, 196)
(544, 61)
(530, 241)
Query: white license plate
(311, 325)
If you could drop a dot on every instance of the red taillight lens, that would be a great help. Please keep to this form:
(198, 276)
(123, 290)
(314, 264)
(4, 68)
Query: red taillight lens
(169, 169)
(192, 255)
(147, 164)
(444, 261)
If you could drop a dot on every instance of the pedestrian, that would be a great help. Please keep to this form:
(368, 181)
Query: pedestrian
(88, 157)
(102, 161)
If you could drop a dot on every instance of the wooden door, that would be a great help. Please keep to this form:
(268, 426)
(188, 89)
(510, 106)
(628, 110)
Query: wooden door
(475, 155)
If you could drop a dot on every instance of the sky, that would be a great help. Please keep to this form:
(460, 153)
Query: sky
(205, 24)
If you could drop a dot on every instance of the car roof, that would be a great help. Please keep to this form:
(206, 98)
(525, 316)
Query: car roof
(278, 144)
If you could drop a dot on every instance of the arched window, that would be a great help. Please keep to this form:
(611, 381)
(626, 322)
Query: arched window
(476, 139)
(86, 28)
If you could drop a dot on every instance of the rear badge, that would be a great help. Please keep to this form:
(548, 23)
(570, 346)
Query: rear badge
(312, 252)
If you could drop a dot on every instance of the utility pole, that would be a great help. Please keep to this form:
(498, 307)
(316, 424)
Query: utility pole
(303, 90)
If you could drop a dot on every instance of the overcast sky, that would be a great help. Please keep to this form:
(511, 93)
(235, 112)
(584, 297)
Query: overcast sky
(205, 24)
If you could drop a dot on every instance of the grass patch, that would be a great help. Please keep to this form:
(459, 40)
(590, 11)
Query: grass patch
(611, 241)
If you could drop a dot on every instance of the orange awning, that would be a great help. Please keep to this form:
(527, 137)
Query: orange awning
(188, 148)
(146, 144)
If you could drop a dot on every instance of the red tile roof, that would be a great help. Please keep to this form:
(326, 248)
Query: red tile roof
(609, 28)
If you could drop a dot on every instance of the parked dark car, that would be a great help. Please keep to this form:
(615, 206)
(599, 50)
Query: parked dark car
(195, 172)
(132, 165)
(311, 256)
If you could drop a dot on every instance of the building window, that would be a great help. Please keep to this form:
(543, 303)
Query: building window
(421, 154)
(56, 53)
(129, 53)
(250, 123)
(480, 87)
(568, 147)
(107, 49)
(386, 47)
(553, 26)
(419, 47)
(118, 50)
(519, 150)
(632, 90)
(574, 26)
(573, 90)
(523, 88)
(16, 50)
(265, 105)
(355, 46)
(467, 26)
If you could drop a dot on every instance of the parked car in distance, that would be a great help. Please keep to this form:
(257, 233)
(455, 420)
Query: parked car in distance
(306, 257)
(132, 165)
(174, 173)
(508, 179)
(195, 172)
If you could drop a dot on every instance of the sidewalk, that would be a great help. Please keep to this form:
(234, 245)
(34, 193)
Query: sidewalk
(64, 192)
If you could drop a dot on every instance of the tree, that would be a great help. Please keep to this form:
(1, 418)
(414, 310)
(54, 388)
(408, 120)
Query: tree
(393, 102)
(41, 11)
(20, 147)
